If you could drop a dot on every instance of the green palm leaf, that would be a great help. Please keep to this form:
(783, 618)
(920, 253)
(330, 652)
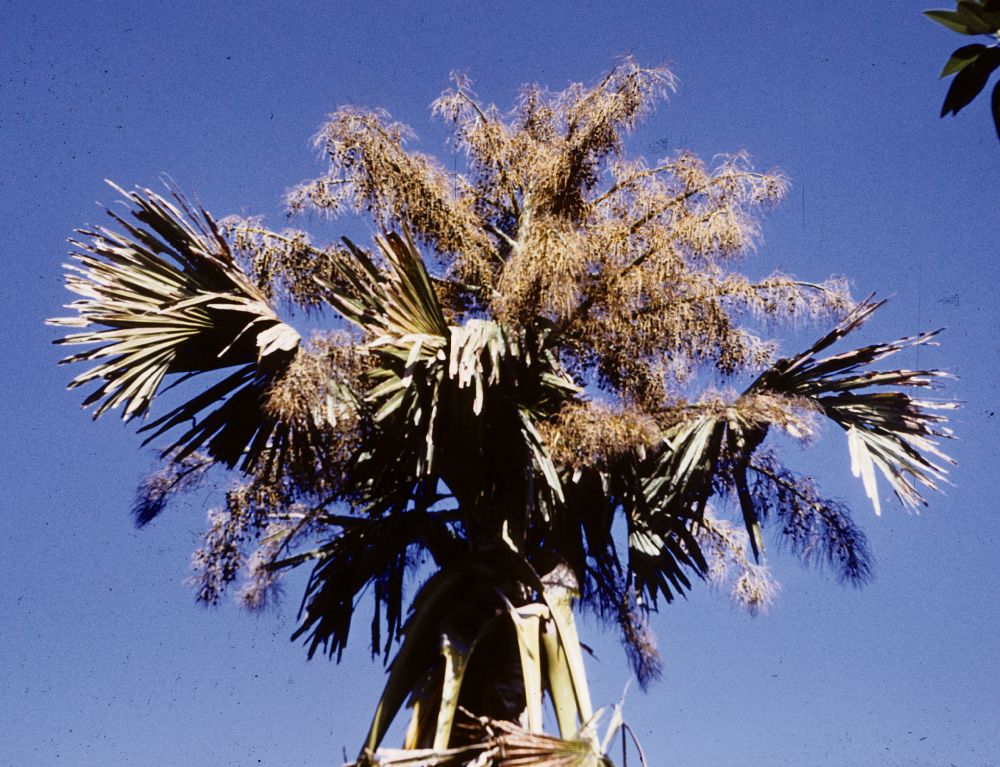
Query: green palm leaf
(458, 403)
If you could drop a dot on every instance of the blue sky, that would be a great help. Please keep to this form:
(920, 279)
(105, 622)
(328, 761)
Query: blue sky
(104, 657)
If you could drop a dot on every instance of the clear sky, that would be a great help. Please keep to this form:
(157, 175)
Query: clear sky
(104, 657)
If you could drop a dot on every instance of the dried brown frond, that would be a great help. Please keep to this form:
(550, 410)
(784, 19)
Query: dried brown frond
(591, 434)
(493, 743)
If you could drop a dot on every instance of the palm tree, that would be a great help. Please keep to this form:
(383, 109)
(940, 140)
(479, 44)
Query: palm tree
(507, 403)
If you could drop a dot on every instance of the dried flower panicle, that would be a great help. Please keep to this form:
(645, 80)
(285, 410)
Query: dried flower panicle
(217, 561)
(318, 384)
(173, 477)
(261, 587)
(251, 508)
(639, 641)
(751, 586)
(370, 170)
(284, 265)
(755, 589)
(631, 262)
(592, 434)
(818, 530)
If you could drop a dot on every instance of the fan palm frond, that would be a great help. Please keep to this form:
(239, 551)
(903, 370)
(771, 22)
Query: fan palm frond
(398, 301)
(462, 601)
(713, 450)
(887, 430)
(165, 296)
(664, 498)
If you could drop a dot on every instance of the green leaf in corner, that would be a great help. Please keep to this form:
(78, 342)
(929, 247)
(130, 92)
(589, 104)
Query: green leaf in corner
(952, 20)
(961, 58)
(970, 81)
(986, 15)
(967, 19)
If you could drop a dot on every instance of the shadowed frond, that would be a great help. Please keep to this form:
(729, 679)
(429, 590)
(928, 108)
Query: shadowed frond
(369, 551)
(452, 612)
(664, 497)
(457, 403)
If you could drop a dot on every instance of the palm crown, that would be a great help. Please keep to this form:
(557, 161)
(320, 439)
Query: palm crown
(517, 403)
